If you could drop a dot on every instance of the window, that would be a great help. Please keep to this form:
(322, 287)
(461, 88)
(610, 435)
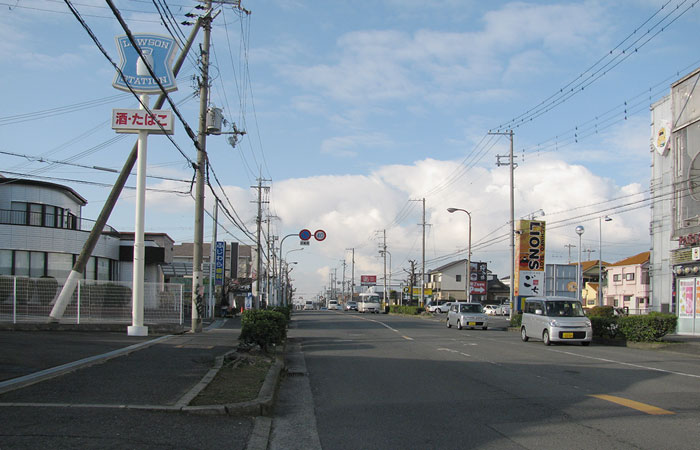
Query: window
(617, 277)
(458, 278)
(36, 214)
(616, 303)
(19, 213)
(50, 216)
(626, 299)
(59, 265)
(37, 264)
(21, 263)
(629, 276)
(5, 262)
(103, 272)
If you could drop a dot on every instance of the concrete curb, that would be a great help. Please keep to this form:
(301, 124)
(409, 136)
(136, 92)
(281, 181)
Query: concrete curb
(263, 405)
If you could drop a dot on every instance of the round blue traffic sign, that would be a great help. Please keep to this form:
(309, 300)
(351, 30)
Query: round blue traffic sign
(304, 235)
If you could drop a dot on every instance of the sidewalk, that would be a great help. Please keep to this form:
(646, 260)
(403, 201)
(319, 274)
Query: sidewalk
(117, 378)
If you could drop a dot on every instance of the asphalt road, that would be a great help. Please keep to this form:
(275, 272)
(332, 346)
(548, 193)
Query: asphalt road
(382, 381)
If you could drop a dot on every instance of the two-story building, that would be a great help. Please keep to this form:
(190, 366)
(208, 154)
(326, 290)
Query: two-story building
(628, 284)
(449, 282)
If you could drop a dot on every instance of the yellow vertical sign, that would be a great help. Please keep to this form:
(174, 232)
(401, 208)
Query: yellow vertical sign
(529, 258)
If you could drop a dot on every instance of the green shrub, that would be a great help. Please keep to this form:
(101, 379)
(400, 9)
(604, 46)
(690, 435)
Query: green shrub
(285, 310)
(605, 327)
(516, 320)
(649, 328)
(601, 311)
(263, 327)
(405, 309)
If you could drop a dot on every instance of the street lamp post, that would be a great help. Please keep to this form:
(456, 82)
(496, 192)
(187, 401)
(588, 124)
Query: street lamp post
(600, 258)
(467, 287)
(579, 272)
(280, 294)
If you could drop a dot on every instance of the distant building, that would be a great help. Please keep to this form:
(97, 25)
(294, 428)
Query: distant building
(628, 284)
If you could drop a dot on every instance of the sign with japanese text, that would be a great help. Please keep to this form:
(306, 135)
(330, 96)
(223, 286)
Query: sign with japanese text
(135, 120)
(529, 258)
(158, 51)
(368, 280)
(219, 268)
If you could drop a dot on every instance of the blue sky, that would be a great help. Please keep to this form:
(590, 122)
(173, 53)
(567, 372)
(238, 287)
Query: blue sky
(353, 109)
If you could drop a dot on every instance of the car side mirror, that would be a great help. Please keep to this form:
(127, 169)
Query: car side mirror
(538, 312)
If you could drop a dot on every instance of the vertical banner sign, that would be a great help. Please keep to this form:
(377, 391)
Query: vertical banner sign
(219, 268)
(529, 258)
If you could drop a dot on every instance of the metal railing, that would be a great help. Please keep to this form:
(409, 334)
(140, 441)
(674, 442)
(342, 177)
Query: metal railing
(31, 300)
(46, 220)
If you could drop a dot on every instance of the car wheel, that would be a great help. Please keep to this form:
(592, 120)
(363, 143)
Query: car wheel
(585, 344)
(523, 334)
(447, 322)
(545, 338)
(485, 328)
(459, 324)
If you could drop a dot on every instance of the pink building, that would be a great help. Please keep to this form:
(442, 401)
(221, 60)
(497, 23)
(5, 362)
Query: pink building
(628, 284)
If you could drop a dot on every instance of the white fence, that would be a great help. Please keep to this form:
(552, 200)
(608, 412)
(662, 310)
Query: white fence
(31, 300)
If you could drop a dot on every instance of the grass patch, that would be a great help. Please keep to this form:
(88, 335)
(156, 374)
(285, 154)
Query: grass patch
(238, 380)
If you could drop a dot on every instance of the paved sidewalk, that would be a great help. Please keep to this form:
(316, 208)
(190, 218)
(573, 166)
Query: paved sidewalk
(122, 392)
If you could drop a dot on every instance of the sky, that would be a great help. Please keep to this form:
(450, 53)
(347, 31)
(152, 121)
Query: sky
(356, 111)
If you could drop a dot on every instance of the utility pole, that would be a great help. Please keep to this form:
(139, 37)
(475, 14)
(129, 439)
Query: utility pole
(352, 282)
(589, 251)
(384, 255)
(422, 271)
(570, 246)
(512, 216)
(256, 294)
(343, 285)
(197, 287)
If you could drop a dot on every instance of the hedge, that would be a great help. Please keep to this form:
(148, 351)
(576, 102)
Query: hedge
(404, 309)
(649, 328)
(263, 327)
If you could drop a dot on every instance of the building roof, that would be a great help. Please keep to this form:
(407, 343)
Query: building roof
(633, 260)
(588, 265)
(78, 198)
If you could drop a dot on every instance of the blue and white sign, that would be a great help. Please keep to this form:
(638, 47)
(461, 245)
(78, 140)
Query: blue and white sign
(219, 268)
(159, 52)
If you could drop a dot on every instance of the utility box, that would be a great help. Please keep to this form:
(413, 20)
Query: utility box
(215, 118)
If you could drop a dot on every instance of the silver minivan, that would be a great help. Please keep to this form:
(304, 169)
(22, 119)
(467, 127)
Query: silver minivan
(555, 319)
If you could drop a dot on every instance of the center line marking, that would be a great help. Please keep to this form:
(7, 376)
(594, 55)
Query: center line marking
(643, 407)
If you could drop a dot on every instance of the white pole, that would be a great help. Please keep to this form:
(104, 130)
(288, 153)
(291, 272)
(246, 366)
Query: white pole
(137, 328)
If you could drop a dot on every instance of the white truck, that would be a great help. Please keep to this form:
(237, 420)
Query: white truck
(369, 302)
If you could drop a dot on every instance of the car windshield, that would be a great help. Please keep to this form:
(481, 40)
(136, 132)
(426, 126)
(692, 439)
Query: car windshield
(565, 308)
(372, 299)
(470, 308)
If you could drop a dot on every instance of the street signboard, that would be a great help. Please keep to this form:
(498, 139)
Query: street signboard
(320, 235)
(304, 235)
(159, 52)
(219, 268)
(368, 280)
(135, 120)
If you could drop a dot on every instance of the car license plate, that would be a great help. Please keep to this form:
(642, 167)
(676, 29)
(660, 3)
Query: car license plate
(471, 324)
(567, 335)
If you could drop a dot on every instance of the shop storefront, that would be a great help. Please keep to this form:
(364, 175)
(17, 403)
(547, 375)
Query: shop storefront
(686, 302)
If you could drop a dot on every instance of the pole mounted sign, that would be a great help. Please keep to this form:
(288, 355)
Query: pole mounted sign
(159, 52)
(304, 235)
(320, 235)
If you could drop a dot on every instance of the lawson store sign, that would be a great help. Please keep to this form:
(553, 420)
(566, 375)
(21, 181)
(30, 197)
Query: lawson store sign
(158, 51)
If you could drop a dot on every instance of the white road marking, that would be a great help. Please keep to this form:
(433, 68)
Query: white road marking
(638, 366)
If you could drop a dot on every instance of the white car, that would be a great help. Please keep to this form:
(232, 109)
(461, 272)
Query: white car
(443, 308)
(333, 304)
(492, 310)
(467, 315)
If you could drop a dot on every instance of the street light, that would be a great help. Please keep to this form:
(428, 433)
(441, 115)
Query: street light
(467, 287)
(579, 272)
(600, 258)
(286, 281)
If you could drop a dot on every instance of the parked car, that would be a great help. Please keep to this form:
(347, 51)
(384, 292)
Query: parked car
(555, 319)
(351, 306)
(492, 310)
(505, 309)
(467, 315)
(444, 307)
(333, 304)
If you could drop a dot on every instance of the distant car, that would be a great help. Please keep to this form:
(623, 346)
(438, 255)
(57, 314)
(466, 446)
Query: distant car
(505, 309)
(445, 307)
(492, 310)
(333, 304)
(309, 305)
(351, 306)
(467, 315)
(434, 305)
